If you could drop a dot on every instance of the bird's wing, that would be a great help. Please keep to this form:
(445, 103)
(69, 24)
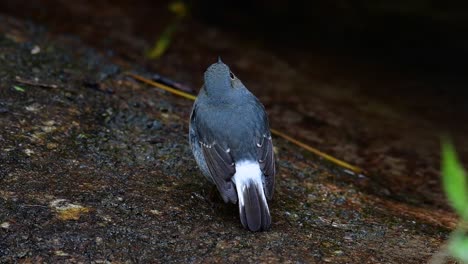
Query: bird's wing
(266, 159)
(218, 160)
(222, 168)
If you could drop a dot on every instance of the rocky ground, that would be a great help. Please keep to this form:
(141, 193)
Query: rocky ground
(96, 167)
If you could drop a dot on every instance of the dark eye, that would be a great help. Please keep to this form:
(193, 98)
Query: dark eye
(231, 75)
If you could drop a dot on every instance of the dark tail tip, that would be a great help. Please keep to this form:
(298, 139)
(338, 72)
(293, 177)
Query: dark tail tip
(254, 212)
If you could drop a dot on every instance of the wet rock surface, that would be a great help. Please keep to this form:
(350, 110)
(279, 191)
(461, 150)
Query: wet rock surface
(96, 167)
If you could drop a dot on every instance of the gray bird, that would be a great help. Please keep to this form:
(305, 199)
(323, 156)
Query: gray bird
(231, 141)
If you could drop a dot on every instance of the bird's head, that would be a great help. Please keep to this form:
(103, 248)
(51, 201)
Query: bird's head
(219, 79)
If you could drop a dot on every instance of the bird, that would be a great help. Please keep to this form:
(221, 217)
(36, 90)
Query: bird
(231, 141)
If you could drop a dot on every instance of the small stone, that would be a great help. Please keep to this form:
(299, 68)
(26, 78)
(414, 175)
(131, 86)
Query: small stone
(61, 253)
(28, 152)
(48, 129)
(5, 225)
(155, 212)
(106, 218)
(338, 252)
(165, 115)
(386, 192)
(98, 240)
(154, 125)
(52, 145)
(49, 123)
(22, 253)
(68, 211)
(33, 108)
(340, 201)
(35, 50)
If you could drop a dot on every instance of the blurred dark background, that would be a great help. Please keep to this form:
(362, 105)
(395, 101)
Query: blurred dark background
(426, 36)
(421, 39)
(418, 39)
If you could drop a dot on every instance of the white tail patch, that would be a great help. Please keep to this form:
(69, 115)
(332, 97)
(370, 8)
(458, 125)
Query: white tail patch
(248, 171)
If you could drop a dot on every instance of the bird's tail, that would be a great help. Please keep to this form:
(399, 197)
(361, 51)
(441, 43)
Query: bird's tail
(253, 206)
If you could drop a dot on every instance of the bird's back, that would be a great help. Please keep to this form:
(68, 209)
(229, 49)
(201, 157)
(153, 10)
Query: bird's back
(235, 125)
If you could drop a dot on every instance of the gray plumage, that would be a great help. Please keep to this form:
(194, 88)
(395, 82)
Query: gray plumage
(229, 131)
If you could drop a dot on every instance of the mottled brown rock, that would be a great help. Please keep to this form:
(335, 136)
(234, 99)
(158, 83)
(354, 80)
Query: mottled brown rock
(139, 195)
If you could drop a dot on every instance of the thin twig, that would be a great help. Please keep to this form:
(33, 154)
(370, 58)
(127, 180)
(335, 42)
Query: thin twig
(317, 152)
(35, 83)
(162, 86)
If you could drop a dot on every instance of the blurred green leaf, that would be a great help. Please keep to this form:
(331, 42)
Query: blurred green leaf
(179, 8)
(454, 180)
(458, 247)
(162, 43)
(19, 88)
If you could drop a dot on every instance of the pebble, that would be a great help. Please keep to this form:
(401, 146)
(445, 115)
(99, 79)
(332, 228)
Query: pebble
(154, 125)
(5, 225)
(28, 152)
(35, 50)
(61, 253)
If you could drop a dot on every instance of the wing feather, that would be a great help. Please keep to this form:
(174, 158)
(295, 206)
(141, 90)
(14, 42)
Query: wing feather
(222, 168)
(266, 159)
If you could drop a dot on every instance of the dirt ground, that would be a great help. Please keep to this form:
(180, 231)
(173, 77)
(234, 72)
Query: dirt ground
(96, 167)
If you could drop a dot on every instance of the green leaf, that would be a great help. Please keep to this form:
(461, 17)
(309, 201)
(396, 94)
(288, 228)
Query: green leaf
(454, 180)
(458, 247)
(163, 43)
(179, 8)
(19, 88)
